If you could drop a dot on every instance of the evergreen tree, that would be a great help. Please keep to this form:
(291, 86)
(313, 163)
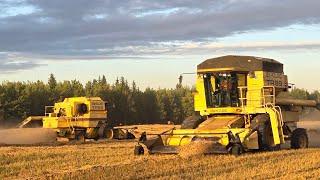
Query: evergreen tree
(127, 104)
(103, 80)
(52, 82)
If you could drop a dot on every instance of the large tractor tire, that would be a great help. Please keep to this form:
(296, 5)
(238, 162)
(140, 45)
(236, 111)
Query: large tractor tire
(191, 122)
(105, 132)
(299, 139)
(262, 125)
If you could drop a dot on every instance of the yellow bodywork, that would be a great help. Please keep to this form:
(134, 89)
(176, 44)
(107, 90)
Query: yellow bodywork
(79, 118)
(239, 106)
(66, 115)
(183, 137)
(256, 96)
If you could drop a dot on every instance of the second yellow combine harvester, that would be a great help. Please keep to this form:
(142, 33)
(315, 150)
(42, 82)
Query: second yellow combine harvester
(239, 106)
(78, 118)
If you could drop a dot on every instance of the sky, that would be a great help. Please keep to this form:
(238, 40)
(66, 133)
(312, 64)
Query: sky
(152, 42)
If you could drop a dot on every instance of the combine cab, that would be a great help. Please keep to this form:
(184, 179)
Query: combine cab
(78, 118)
(239, 106)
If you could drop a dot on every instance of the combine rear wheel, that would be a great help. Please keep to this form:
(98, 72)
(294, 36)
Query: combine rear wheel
(299, 139)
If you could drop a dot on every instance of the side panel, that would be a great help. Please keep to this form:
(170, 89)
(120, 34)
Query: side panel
(199, 97)
(55, 122)
(255, 84)
(278, 80)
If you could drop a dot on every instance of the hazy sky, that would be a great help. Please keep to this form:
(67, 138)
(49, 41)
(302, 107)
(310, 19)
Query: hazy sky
(153, 41)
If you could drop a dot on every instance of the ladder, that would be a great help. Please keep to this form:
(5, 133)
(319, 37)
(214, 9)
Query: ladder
(276, 114)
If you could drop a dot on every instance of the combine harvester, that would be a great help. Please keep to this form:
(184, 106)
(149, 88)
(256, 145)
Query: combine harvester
(239, 106)
(78, 118)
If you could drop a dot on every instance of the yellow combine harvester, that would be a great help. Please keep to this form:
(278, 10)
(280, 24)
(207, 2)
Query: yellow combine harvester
(239, 106)
(78, 118)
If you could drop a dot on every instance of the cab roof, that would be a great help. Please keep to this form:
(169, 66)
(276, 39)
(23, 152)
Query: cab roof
(240, 63)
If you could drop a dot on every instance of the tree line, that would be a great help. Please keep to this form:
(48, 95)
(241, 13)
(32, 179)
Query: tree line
(127, 103)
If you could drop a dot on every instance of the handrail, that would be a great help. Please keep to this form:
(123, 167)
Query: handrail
(271, 95)
(45, 110)
(278, 111)
(244, 100)
(264, 101)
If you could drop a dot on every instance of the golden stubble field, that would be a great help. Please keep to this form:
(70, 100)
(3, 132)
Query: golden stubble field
(115, 160)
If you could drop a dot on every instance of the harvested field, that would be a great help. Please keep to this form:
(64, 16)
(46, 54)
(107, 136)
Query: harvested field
(115, 159)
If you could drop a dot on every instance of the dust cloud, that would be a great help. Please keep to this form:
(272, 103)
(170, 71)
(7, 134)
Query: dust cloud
(311, 122)
(196, 148)
(27, 136)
